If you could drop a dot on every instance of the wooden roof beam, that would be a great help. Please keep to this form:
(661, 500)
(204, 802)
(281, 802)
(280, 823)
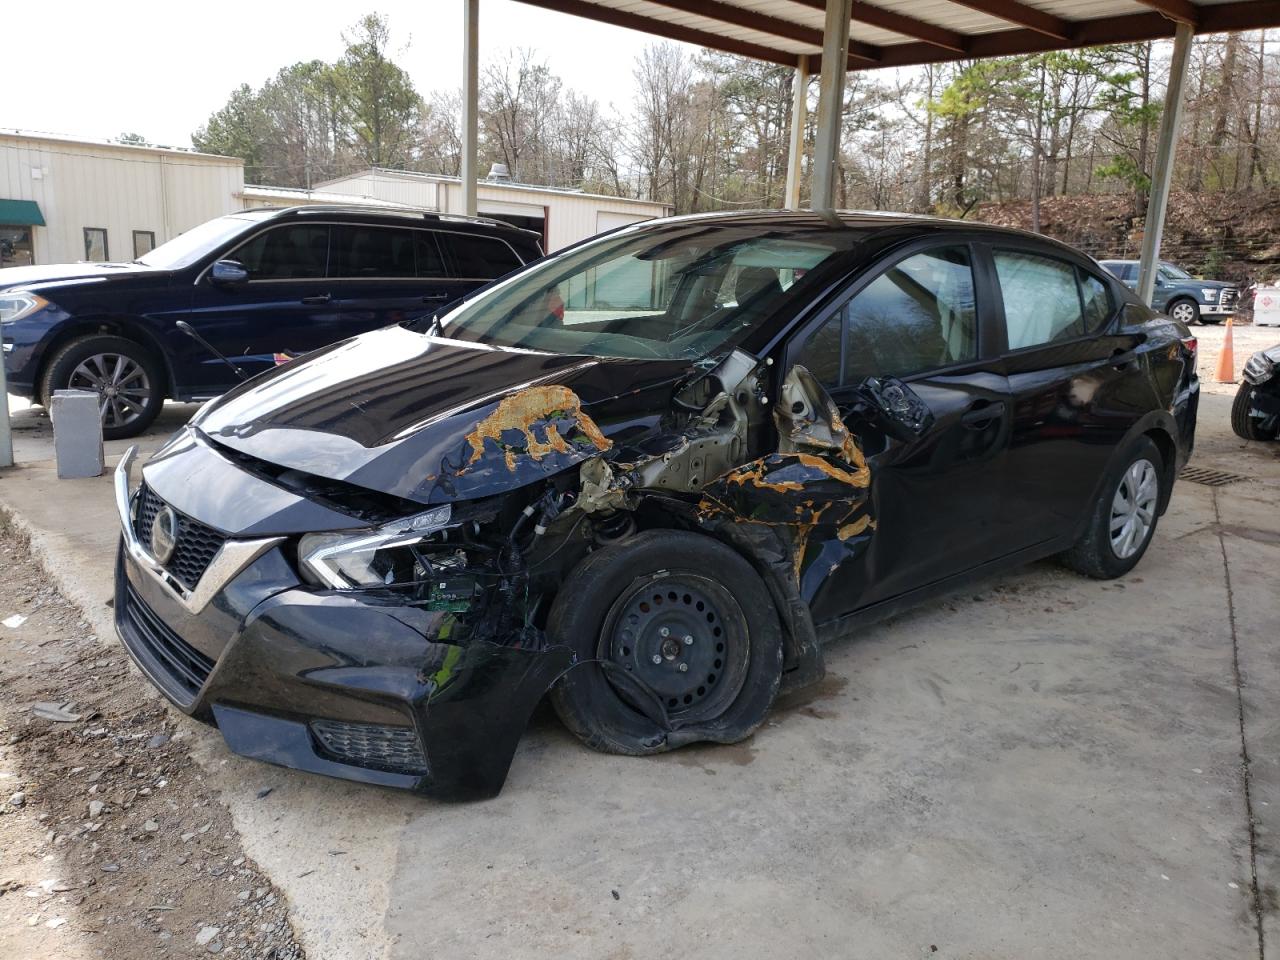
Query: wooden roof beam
(670, 31)
(1180, 11)
(754, 20)
(921, 30)
(1024, 16)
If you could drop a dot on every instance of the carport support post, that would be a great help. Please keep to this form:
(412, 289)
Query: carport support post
(795, 147)
(1162, 175)
(835, 64)
(470, 102)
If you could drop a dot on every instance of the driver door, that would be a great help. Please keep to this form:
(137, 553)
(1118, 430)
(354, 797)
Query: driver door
(936, 491)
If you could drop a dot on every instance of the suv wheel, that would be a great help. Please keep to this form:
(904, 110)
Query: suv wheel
(1186, 311)
(1124, 516)
(125, 375)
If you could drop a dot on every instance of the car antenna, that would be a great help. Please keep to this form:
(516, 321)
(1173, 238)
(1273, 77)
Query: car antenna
(190, 331)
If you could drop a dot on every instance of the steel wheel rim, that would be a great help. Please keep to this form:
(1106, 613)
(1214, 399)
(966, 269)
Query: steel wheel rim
(1133, 508)
(685, 605)
(121, 383)
(1183, 312)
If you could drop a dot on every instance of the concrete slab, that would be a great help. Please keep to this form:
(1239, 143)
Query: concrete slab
(1043, 766)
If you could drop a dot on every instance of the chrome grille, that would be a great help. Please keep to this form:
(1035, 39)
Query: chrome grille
(196, 545)
(1228, 297)
(395, 749)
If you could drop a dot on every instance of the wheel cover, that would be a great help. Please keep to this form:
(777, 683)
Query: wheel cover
(1183, 312)
(1133, 508)
(685, 637)
(122, 385)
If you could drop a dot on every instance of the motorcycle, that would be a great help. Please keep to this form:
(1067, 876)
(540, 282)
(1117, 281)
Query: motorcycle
(1255, 414)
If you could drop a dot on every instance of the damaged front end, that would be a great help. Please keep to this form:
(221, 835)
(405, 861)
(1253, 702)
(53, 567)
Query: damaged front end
(401, 637)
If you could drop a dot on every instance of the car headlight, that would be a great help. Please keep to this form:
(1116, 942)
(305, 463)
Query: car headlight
(1209, 294)
(1259, 368)
(15, 306)
(371, 558)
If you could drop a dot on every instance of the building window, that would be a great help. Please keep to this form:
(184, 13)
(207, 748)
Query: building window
(16, 249)
(144, 241)
(95, 244)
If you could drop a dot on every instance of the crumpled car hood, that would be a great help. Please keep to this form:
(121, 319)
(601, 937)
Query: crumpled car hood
(436, 420)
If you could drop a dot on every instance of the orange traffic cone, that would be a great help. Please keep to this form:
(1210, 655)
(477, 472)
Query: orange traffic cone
(1226, 372)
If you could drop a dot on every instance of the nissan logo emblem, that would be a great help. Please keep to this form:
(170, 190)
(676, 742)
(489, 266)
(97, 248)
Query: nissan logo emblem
(164, 534)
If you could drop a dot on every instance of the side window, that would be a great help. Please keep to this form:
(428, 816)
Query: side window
(1041, 299)
(479, 258)
(918, 315)
(427, 254)
(370, 252)
(1097, 302)
(298, 251)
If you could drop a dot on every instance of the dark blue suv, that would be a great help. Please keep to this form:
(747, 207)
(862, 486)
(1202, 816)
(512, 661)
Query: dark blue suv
(260, 287)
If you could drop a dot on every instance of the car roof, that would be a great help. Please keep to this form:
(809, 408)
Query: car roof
(401, 218)
(870, 222)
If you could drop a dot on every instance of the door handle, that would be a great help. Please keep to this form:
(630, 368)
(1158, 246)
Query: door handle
(981, 414)
(435, 298)
(318, 298)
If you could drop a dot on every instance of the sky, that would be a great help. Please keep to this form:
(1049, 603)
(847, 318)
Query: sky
(160, 68)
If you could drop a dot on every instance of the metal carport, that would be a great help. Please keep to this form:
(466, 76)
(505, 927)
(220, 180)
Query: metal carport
(857, 35)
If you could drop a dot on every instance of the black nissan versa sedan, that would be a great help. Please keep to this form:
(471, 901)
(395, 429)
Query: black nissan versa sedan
(649, 475)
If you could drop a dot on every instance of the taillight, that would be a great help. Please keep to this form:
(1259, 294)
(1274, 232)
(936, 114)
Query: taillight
(1190, 343)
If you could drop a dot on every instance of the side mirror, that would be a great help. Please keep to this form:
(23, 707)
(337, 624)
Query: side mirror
(228, 272)
(1159, 282)
(894, 407)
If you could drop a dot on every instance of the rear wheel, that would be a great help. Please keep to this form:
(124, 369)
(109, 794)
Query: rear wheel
(1124, 516)
(125, 375)
(1186, 311)
(1245, 426)
(677, 642)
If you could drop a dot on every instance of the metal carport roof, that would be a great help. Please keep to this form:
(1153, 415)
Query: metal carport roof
(902, 33)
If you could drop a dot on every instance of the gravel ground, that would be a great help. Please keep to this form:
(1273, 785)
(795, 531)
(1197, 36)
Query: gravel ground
(111, 844)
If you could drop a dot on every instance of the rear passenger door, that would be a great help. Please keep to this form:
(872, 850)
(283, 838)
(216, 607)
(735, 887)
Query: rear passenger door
(935, 497)
(1075, 383)
(385, 275)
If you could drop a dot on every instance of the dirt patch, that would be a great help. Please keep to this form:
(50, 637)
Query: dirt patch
(111, 844)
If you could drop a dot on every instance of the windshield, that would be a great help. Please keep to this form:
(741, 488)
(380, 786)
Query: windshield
(185, 249)
(1170, 272)
(670, 291)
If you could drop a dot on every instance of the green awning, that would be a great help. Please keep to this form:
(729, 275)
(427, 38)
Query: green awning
(21, 213)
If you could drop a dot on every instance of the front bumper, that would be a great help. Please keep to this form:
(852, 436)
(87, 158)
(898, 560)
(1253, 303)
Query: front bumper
(351, 684)
(1217, 310)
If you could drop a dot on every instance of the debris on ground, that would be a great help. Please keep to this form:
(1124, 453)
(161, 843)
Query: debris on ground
(111, 844)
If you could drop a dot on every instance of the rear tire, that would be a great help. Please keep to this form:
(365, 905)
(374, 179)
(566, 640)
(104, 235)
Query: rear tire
(127, 377)
(1186, 310)
(690, 602)
(1245, 426)
(1124, 517)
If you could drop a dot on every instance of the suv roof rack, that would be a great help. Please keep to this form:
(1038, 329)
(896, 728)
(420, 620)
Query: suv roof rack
(322, 208)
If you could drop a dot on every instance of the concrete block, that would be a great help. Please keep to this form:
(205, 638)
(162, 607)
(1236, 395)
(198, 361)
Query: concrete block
(77, 433)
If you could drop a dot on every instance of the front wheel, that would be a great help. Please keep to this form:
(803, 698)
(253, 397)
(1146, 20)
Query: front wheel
(1123, 518)
(1247, 427)
(1185, 311)
(677, 641)
(125, 375)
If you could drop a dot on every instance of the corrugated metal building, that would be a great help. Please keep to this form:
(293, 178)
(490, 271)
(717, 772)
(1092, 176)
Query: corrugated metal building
(63, 200)
(561, 216)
